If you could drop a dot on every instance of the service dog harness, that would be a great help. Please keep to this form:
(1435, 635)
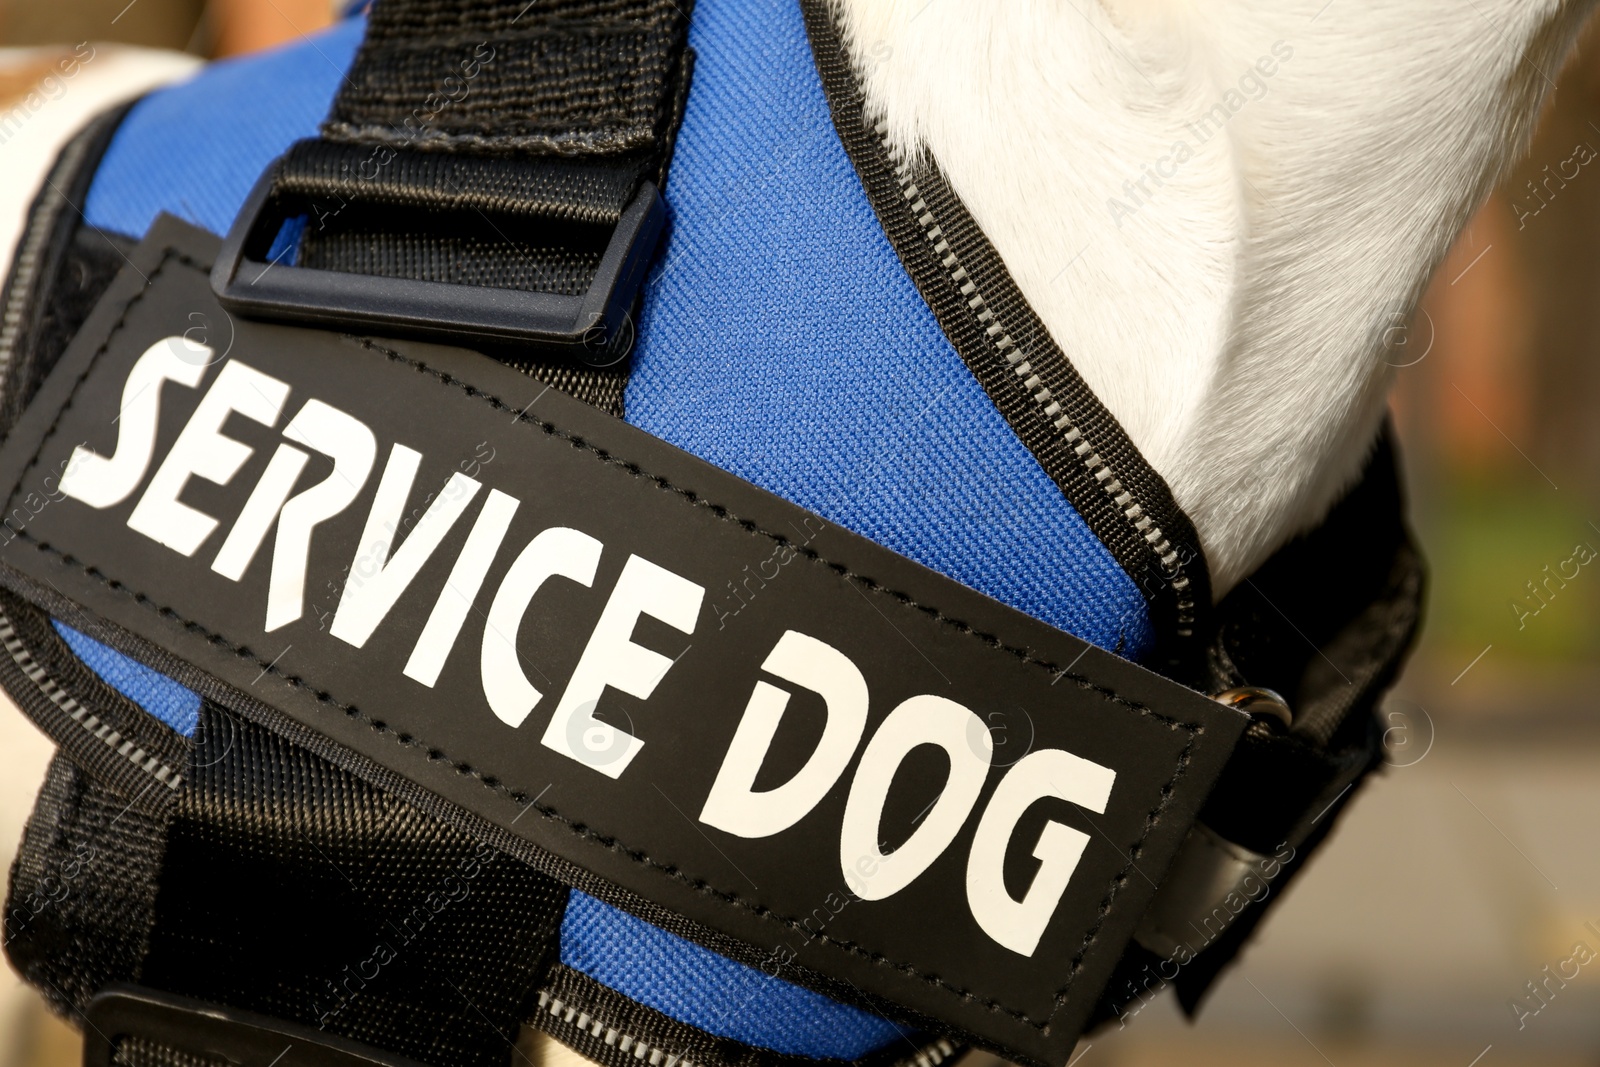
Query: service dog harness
(461, 607)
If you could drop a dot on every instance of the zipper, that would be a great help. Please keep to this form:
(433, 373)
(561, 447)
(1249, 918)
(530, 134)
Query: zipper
(654, 1055)
(89, 722)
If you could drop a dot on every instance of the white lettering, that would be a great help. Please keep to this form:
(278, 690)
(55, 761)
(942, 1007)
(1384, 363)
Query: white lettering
(260, 512)
(333, 433)
(612, 659)
(1018, 924)
(202, 450)
(921, 720)
(556, 551)
(101, 482)
(364, 603)
(461, 589)
(733, 804)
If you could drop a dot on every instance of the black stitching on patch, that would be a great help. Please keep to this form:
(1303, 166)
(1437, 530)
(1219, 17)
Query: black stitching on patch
(494, 784)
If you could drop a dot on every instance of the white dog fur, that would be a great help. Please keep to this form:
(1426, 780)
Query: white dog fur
(1221, 210)
(1229, 300)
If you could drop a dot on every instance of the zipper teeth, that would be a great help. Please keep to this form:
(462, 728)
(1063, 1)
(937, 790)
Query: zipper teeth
(24, 272)
(93, 724)
(1029, 379)
(933, 1055)
(656, 1056)
(643, 1050)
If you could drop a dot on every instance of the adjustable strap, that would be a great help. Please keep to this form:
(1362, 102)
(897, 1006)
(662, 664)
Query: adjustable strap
(580, 78)
(492, 145)
(1327, 622)
(478, 145)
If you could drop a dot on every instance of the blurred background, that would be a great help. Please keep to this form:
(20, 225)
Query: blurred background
(204, 28)
(1473, 863)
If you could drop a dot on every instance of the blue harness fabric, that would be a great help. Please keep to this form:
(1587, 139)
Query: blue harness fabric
(824, 379)
(652, 967)
(782, 340)
(168, 701)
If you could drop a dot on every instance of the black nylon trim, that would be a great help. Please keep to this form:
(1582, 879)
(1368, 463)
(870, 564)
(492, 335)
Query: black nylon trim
(933, 235)
(102, 731)
(82, 892)
(49, 290)
(566, 77)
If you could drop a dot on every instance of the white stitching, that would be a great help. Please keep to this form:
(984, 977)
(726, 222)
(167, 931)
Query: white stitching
(1096, 465)
(124, 747)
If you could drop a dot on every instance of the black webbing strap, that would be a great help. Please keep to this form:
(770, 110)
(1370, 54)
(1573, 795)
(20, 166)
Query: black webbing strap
(291, 889)
(82, 888)
(492, 143)
(275, 883)
(586, 78)
(496, 143)
(1327, 622)
(487, 144)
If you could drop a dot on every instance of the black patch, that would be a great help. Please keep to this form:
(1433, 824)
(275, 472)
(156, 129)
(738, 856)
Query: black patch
(781, 901)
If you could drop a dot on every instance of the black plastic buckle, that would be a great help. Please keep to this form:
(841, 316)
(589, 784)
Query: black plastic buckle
(249, 284)
(122, 1011)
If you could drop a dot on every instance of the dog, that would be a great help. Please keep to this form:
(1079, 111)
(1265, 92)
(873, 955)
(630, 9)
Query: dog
(1221, 215)
(1223, 211)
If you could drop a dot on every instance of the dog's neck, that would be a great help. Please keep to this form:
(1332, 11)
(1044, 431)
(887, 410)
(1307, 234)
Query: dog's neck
(1221, 211)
